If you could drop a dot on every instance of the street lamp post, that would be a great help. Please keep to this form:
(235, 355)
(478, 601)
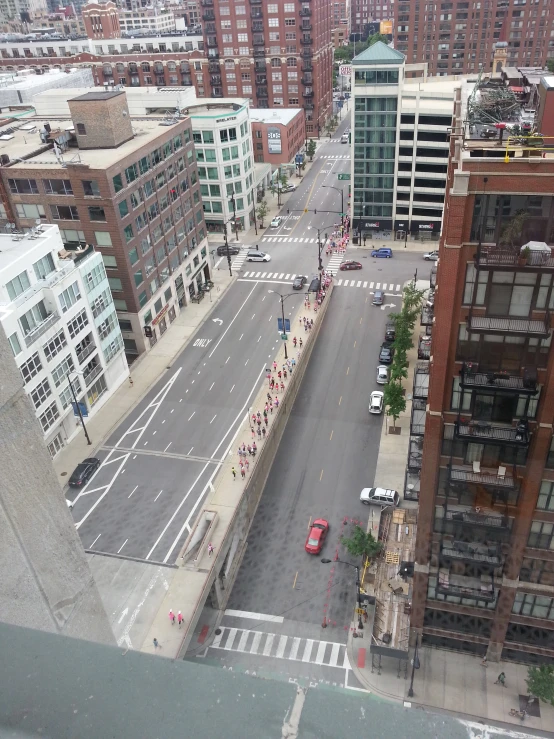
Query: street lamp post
(78, 407)
(338, 189)
(282, 299)
(358, 585)
(320, 246)
(415, 666)
(235, 216)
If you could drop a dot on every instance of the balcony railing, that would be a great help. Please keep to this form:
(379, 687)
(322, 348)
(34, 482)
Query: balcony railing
(260, 66)
(499, 381)
(513, 326)
(256, 13)
(466, 587)
(209, 15)
(307, 67)
(474, 518)
(421, 380)
(471, 552)
(258, 41)
(261, 79)
(93, 374)
(412, 485)
(479, 432)
(86, 352)
(433, 277)
(427, 314)
(306, 54)
(424, 347)
(495, 256)
(417, 421)
(305, 12)
(37, 332)
(261, 92)
(497, 478)
(306, 27)
(217, 94)
(257, 26)
(308, 80)
(255, 2)
(306, 40)
(259, 51)
(213, 68)
(215, 79)
(309, 106)
(207, 3)
(308, 94)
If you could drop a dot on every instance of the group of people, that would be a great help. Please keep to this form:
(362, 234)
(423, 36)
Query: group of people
(338, 241)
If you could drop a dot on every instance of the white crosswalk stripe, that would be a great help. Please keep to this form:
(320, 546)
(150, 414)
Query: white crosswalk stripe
(336, 156)
(281, 646)
(238, 261)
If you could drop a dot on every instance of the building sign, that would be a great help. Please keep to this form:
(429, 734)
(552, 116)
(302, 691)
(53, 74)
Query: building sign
(386, 28)
(345, 70)
(224, 120)
(160, 315)
(427, 226)
(274, 140)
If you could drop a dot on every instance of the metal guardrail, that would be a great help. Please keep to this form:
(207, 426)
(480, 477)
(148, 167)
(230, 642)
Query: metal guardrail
(36, 333)
(485, 431)
(505, 324)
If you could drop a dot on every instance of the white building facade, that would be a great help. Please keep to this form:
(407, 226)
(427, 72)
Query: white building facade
(56, 309)
(147, 20)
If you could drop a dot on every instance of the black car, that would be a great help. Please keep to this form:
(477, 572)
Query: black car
(299, 282)
(83, 472)
(390, 332)
(386, 354)
(222, 250)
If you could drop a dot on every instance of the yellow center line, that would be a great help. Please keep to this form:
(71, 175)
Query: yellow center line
(294, 583)
(310, 193)
(331, 436)
(347, 370)
(321, 476)
(340, 400)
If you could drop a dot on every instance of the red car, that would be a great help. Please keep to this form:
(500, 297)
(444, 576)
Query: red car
(316, 537)
(350, 265)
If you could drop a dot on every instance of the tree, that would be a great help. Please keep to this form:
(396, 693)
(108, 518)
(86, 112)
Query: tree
(540, 682)
(345, 54)
(361, 544)
(395, 402)
(261, 212)
(512, 232)
(310, 149)
(411, 302)
(550, 65)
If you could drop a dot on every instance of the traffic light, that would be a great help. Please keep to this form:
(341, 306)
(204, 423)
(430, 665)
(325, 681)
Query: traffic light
(315, 212)
(305, 210)
(288, 211)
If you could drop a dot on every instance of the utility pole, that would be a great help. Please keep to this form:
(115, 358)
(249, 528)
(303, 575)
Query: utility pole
(78, 408)
(254, 207)
(235, 216)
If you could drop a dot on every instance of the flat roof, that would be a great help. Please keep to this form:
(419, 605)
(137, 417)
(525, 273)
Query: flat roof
(11, 81)
(273, 115)
(14, 248)
(98, 95)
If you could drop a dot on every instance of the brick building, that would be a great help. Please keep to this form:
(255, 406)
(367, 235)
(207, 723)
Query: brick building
(484, 563)
(101, 20)
(128, 187)
(365, 15)
(459, 36)
(276, 54)
(278, 135)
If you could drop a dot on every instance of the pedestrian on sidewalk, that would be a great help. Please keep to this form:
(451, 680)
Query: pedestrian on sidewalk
(249, 448)
(234, 473)
(501, 680)
(274, 366)
(263, 432)
(266, 421)
(284, 373)
(282, 386)
(259, 433)
(210, 552)
(180, 619)
(254, 449)
(171, 617)
(131, 383)
(156, 643)
(247, 465)
(300, 343)
(276, 401)
(242, 472)
(294, 342)
(269, 397)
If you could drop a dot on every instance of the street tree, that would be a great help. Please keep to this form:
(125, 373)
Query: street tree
(540, 682)
(310, 149)
(361, 544)
(395, 402)
(261, 212)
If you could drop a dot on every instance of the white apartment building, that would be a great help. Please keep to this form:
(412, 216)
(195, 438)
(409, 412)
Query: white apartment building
(147, 20)
(400, 145)
(56, 309)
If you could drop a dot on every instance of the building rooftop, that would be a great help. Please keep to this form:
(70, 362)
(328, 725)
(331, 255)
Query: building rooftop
(99, 95)
(273, 115)
(17, 247)
(379, 53)
(13, 81)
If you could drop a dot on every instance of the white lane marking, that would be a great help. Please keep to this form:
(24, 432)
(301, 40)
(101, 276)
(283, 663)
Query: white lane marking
(241, 336)
(211, 386)
(154, 433)
(163, 421)
(190, 450)
(230, 639)
(94, 542)
(321, 652)
(281, 275)
(167, 447)
(359, 283)
(270, 319)
(339, 282)
(145, 443)
(228, 358)
(134, 490)
(121, 547)
(158, 495)
(101, 498)
(243, 639)
(255, 616)
(281, 646)
(256, 642)
(192, 415)
(307, 650)
(213, 419)
(231, 390)
(365, 284)
(232, 321)
(258, 274)
(246, 363)
(258, 340)
(253, 316)
(346, 283)
(264, 274)
(217, 641)
(378, 286)
(287, 277)
(270, 282)
(294, 648)
(334, 654)
(371, 285)
(268, 644)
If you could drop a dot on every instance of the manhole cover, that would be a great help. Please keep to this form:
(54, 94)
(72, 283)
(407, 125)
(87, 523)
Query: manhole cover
(217, 632)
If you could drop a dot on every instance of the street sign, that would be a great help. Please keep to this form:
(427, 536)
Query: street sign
(345, 70)
(280, 325)
(344, 176)
(284, 337)
(82, 406)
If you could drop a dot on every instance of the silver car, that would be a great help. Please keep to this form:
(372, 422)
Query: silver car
(382, 375)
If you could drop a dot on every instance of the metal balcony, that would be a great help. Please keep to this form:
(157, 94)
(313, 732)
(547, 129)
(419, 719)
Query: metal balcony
(539, 328)
(213, 68)
(493, 382)
(209, 15)
(421, 380)
(257, 26)
(262, 92)
(306, 53)
(464, 551)
(217, 94)
(305, 12)
(415, 454)
(496, 256)
(92, 374)
(258, 41)
(503, 477)
(215, 79)
(427, 315)
(473, 518)
(412, 484)
(37, 332)
(259, 52)
(308, 94)
(213, 54)
(482, 432)
(211, 42)
(260, 66)
(433, 277)
(207, 3)
(255, 2)
(307, 67)
(261, 79)
(424, 347)
(466, 587)
(306, 27)
(86, 352)
(256, 13)
(307, 80)
(263, 103)
(306, 40)
(309, 106)
(417, 420)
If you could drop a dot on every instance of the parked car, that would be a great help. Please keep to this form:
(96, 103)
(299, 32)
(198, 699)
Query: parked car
(316, 536)
(289, 187)
(222, 250)
(383, 253)
(431, 256)
(83, 472)
(257, 256)
(379, 496)
(376, 402)
(276, 222)
(386, 354)
(350, 264)
(378, 297)
(382, 375)
(299, 282)
(390, 332)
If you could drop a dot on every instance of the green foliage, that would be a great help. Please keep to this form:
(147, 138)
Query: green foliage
(411, 302)
(310, 150)
(346, 53)
(512, 232)
(361, 544)
(550, 65)
(540, 682)
(261, 212)
(395, 402)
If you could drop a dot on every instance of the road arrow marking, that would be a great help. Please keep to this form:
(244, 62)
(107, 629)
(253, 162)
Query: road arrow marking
(218, 320)
(388, 305)
(125, 612)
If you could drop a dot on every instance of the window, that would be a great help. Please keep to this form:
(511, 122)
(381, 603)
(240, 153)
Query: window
(56, 445)
(536, 606)
(90, 188)
(123, 209)
(98, 389)
(28, 210)
(23, 187)
(81, 129)
(131, 173)
(44, 266)
(96, 213)
(69, 296)
(537, 571)
(78, 323)
(64, 213)
(108, 325)
(546, 496)
(62, 370)
(540, 536)
(139, 277)
(30, 368)
(128, 232)
(18, 285)
(55, 345)
(14, 343)
(58, 187)
(118, 183)
(103, 238)
(50, 415)
(41, 393)
(33, 318)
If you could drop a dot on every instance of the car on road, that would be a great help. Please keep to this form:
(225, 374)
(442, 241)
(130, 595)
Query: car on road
(376, 401)
(390, 331)
(83, 472)
(344, 138)
(386, 354)
(316, 536)
(431, 256)
(289, 187)
(257, 256)
(299, 282)
(276, 222)
(379, 496)
(222, 250)
(383, 253)
(350, 264)
(378, 297)
(382, 375)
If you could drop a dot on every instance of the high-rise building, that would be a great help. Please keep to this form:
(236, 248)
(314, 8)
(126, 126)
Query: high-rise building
(484, 564)
(365, 15)
(276, 54)
(101, 20)
(459, 36)
(128, 187)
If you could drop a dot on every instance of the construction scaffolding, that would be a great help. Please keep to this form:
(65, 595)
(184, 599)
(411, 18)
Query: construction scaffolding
(491, 101)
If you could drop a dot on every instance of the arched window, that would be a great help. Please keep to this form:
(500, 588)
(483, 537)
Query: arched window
(107, 69)
(172, 67)
(120, 68)
(145, 66)
(291, 61)
(158, 68)
(275, 61)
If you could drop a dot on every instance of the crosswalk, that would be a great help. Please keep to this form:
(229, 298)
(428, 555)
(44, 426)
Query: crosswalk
(286, 276)
(334, 263)
(287, 239)
(391, 287)
(281, 646)
(335, 156)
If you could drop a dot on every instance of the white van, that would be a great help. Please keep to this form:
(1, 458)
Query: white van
(344, 138)
(379, 496)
